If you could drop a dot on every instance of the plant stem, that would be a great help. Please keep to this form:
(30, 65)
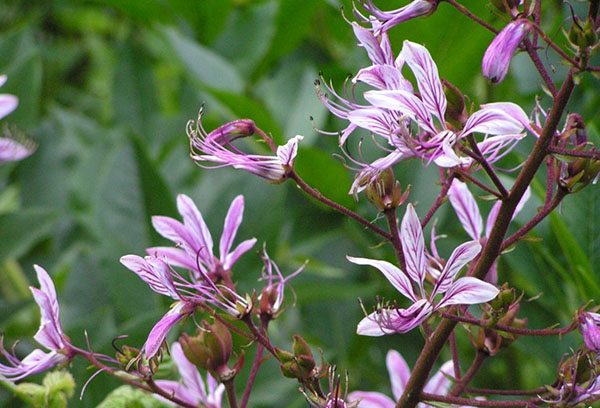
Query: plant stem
(338, 207)
(472, 16)
(547, 209)
(510, 329)
(486, 166)
(479, 403)
(390, 216)
(230, 390)
(255, 366)
(427, 358)
(460, 386)
(488, 391)
(439, 199)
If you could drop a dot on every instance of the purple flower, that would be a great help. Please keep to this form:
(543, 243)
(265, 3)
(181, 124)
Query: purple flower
(437, 141)
(389, 19)
(588, 324)
(11, 148)
(399, 373)
(194, 244)
(464, 291)
(194, 251)
(50, 335)
(468, 214)
(193, 390)
(188, 295)
(498, 55)
(216, 147)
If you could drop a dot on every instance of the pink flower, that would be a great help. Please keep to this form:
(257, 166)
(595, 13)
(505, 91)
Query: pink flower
(500, 52)
(50, 335)
(399, 373)
(193, 240)
(271, 297)
(216, 147)
(437, 141)
(194, 251)
(463, 291)
(193, 389)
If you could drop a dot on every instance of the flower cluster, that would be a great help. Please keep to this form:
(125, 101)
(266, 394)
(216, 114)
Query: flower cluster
(463, 291)
(418, 124)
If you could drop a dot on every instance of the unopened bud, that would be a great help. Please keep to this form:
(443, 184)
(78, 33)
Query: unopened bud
(231, 131)
(127, 354)
(456, 113)
(505, 6)
(210, 349)
(577, 129)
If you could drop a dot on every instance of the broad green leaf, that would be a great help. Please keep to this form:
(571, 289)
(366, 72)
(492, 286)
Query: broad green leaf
(234, 43)
(577, 260)
(21, 230)
(129, 397)
(147, 12)
(293, 24)
(203, 64)
(327, 175)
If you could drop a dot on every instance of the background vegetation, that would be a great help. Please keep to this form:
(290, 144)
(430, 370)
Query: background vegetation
(106, 88)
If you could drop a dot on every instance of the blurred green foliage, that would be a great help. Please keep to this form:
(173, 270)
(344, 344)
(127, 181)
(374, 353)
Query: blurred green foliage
(106, 88)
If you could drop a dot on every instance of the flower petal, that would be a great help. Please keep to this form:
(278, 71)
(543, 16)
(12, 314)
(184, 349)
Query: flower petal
(232, 223)
(287, 153)
(371, 399)
(404, 102)
(193, 221)
(428, 80)
(468, 291)
(440, 383)
(491, 120)
(390, 321)
(392, 273)
(413, 246)
(399, 372)
(466, 208)
(8, 103)
(154, 272)
(459, 258)
(188, 372)
(160, 330)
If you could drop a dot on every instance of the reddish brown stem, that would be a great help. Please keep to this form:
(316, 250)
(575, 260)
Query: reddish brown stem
(460, 386)
(509, 329)
(338, 207)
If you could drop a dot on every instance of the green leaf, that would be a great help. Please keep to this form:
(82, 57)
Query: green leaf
(293, 24)
(581, 270)
(204, 65)
(325, 174)
(20, 231)
(129, 397)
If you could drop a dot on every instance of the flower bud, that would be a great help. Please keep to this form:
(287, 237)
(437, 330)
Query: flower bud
(577, 129)
(231, 131)
(501, 5)
(210, 349)
(456, 112)
(500, 52)
(126, 355)
(302, 353)
(581, 35)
